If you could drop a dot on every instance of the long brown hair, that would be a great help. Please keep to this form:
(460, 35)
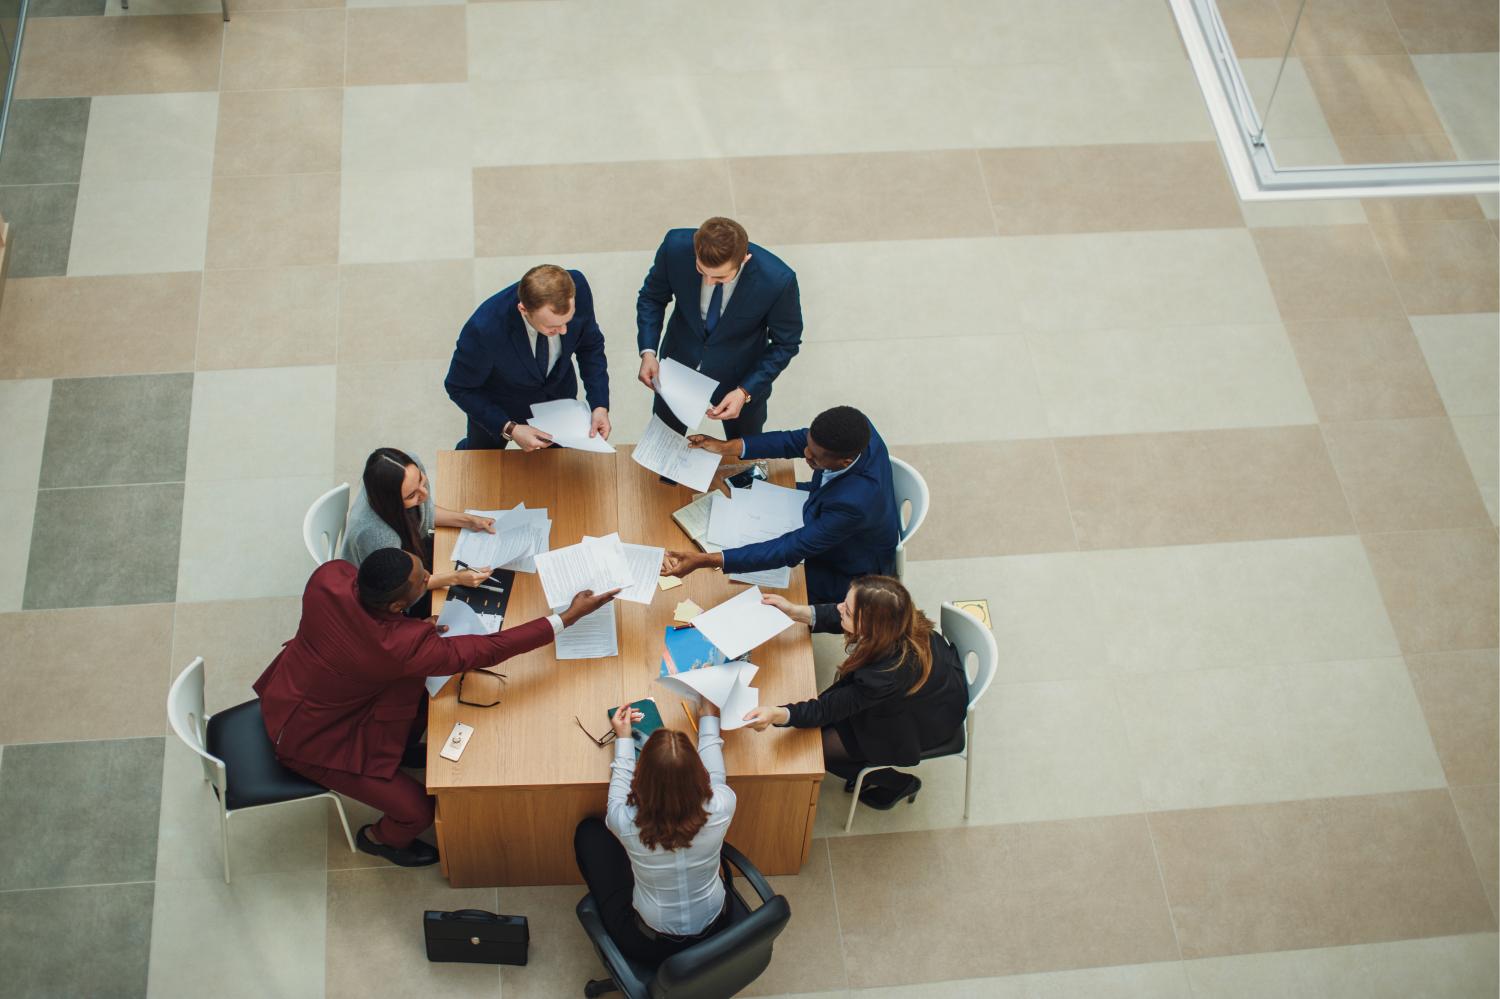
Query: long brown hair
(888, 625)
(669, 791)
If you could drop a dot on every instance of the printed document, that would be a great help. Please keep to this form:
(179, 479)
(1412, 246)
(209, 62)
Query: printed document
(596, 564)
(685, 391)
(568, 420)
(461, 620)
(727, 687)
(741, 623)
(644, 563)
(591, 637)
(665, 452)
(760, 513)
(771, 579)
(519, 534)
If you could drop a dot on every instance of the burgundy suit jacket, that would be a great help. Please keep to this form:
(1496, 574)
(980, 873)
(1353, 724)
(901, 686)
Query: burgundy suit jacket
(343, 693)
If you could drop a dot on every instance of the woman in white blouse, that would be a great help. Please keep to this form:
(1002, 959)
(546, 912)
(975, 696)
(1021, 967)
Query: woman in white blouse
(652, 865)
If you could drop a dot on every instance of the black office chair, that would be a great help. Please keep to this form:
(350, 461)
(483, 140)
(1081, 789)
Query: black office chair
(716, 968)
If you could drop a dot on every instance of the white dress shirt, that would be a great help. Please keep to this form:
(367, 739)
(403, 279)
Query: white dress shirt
(554, 344)
(676, 891)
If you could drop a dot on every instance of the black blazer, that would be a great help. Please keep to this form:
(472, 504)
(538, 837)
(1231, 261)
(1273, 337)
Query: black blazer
(890, 726)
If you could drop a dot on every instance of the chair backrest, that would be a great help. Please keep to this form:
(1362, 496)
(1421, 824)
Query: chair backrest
(186, 715)
(726, 962)
(323, 527)
(911, 490)
(970, 637)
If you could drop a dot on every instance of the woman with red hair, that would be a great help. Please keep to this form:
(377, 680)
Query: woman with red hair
(652, 865)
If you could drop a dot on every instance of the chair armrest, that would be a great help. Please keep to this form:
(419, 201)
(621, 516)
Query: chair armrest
(609, 952)
(747, 870)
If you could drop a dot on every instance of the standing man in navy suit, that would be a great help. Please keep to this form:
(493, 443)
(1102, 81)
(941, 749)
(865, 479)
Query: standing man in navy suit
(850, 524)
(737, 319)
(517, 350)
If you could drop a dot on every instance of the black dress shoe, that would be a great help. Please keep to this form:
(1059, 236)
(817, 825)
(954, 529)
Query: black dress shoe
(887, 794)
(418, 854)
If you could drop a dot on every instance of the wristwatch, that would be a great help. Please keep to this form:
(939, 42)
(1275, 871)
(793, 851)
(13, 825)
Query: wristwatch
(748, 396)
(507, 430)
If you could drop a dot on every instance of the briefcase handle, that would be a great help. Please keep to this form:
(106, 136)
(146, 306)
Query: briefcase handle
(471, 915)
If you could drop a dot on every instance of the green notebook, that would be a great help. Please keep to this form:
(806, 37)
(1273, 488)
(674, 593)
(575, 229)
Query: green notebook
(650, 720)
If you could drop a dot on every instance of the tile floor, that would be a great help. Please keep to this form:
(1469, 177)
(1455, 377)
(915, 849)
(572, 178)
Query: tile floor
(1226, 473)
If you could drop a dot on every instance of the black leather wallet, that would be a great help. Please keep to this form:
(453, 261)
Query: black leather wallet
(476, 937)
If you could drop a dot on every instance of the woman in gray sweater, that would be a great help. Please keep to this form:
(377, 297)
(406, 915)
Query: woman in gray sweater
(395, 510)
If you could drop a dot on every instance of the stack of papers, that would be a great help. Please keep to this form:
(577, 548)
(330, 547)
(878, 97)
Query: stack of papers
(597, 564)
(642, 563)
(460, 619)
(693, 519)
(727, 686)
(666, 452)
(749, 516)
(519, 535)
(685, 391)
(741, 623)
(568, 421)
(591, 637)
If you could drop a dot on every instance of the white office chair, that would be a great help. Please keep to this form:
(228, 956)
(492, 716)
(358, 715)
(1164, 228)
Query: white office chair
(911, 492)
(323, 527)
(237, 756)
(970, 637)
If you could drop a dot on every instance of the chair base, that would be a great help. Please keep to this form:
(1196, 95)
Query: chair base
(599, 987)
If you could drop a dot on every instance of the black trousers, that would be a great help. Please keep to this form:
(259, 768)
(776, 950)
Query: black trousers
(752, 419)
(606, 870)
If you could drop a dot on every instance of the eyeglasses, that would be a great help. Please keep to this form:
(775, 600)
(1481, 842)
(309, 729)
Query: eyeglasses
(494, 688)
(608, 737)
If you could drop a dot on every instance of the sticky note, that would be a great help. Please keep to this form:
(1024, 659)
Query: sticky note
(668, 582)
(686, 611)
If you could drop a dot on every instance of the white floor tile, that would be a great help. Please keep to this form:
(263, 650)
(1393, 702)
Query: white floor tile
(1463, 354)
(15, 541)
(139, 227)
(1463, 90)
(406, 215)
(243, 538)
(150, 137)
(399, 405)
(24, 404)
(291, 434)
(411, 127)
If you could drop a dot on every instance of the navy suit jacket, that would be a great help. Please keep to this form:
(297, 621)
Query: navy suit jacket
(494, 376)
(759, 331)
(850, 525)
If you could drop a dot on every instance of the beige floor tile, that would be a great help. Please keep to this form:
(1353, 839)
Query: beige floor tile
(1104, 188)
(811, 956)
(1430, 147)
(1308, 874)
(1437, 966)
(1182, 378)
(1477, 810)
(1255, 734)
(1201, 486)
(1479, 436)
(1343, 27)
(1364, 369)
(15, 535)
(914, 195)
(143, 137)
(1460, 696)
(1439, 587)
(1163, 980)
(275, 839)
(139, 226)
(24, 405)
(403, 312)
(1463, 353)
(292, 437)
(79, 326)
(262, 935)
(276, 317)
(583, 212)
(374, 939)
(1052, 896)
(237, 640)
(265, 546)
(1028, 31)
(406, 215)
(279, 131)
(1327, 272)
(1371, 95)
(274, 221)
(1446, 25)
(1442, 267)
(561, 957)
(407, 45)
(278, 50)
(1256, 29)
(996, 498)
(994, 396)
(400, 405)
(409, 127)
(93, 56)
(1404, 475)
(1250, 603)
(62, 695)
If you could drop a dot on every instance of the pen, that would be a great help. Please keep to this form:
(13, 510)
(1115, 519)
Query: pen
(690, 719)
(680, 627)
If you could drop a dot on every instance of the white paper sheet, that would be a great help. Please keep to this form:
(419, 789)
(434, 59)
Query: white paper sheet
(519, 534)
(591, 637)
(461, 620)
(568, 420)
(693, 518)
(771, 579)
(727, 687)
(644, 563)
(685, 391)
(664, 451)
(741, 623)
(760, 513)
(596, 564)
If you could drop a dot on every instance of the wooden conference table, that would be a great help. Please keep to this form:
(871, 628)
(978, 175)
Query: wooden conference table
(507, 810)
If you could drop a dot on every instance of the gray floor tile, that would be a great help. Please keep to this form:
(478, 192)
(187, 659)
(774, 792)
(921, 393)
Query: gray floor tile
(79, 813)
(119, 430)
(41, 227)
(109, 927)
(44, 141)
(64, 8)
(103, 546)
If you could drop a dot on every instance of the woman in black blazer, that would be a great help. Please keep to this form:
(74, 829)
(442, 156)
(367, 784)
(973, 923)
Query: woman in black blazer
(900, 691)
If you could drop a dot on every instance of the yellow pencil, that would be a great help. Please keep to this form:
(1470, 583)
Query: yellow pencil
(691, 721)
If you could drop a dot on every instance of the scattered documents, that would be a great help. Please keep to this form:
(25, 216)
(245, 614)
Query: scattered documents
(687, 649)
(741, 623)
(686, 611)
(666, 452)
(771, 579)
(693, 518)
(519, 534)
(668, 582)
(590, 637)
(685, 391)
(568, 422)
(644, 563)
(726, 686)
(597, 564)
(749, 516)
(460, 619)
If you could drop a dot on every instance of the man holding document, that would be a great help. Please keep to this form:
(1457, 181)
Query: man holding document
(849, 523)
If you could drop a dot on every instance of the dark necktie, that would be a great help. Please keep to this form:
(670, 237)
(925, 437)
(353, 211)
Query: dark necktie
(715, 305)
(542, 349)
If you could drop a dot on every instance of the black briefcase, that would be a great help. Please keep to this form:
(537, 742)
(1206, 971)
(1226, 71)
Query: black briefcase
(476, 936)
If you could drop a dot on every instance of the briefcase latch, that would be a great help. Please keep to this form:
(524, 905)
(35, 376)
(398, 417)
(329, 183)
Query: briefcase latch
(474, 941)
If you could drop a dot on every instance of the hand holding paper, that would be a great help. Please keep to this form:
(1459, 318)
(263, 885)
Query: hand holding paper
(741, 623)
(685, 391)
(568, 422)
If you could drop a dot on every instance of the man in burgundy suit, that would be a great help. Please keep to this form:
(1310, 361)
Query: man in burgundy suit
(343, 701)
